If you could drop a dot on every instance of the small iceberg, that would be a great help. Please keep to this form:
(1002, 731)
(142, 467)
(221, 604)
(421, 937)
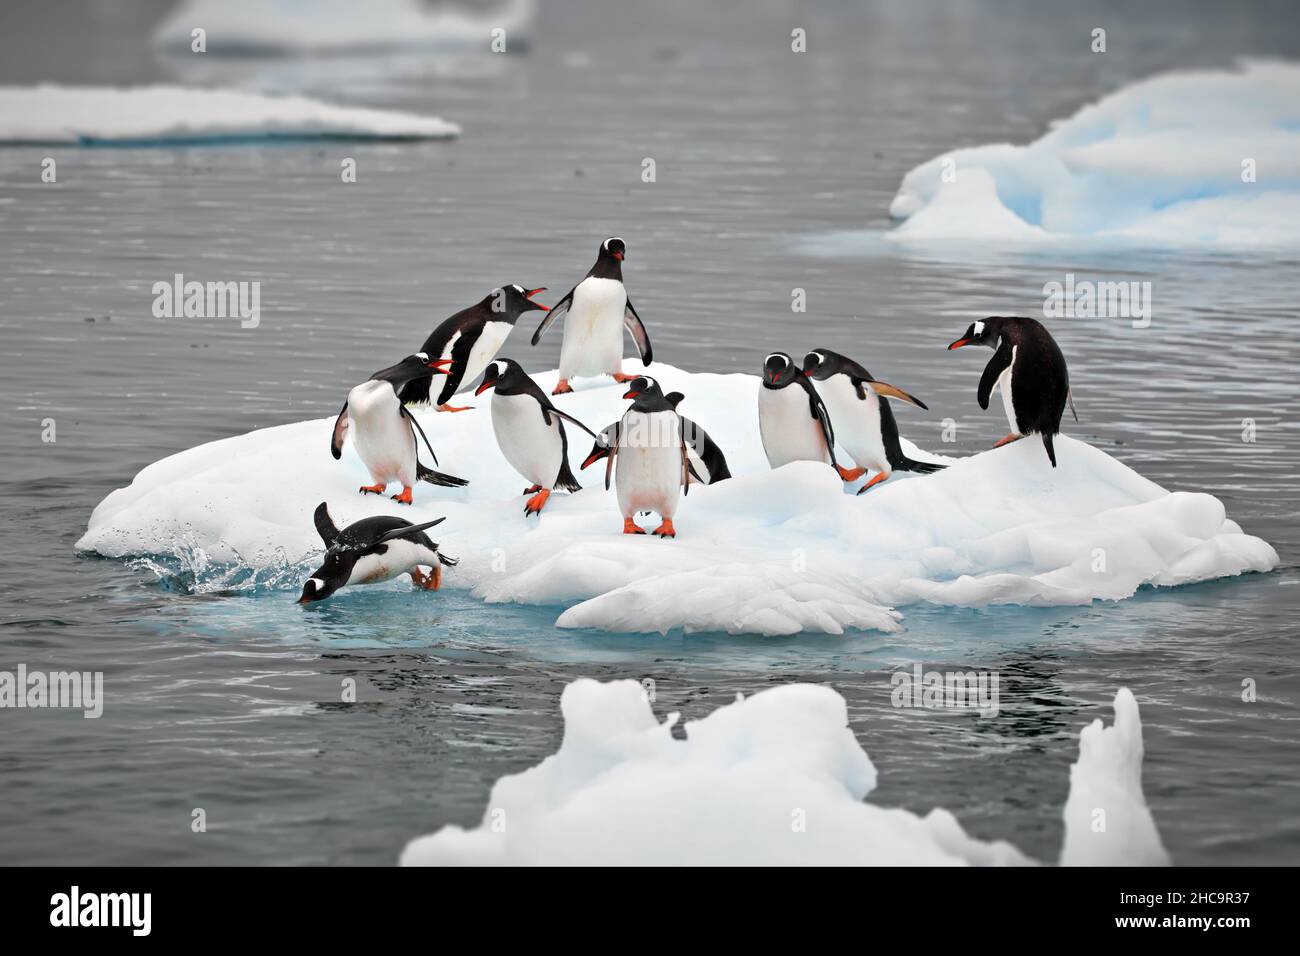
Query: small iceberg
(1202, 158)
(175, 115)
(773, 779)
(766, 552)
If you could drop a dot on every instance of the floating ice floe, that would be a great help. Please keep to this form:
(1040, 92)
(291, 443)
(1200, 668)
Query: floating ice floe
(1203, 157)
(295, 27)
(165, 115)
(766, 552)
(776, 778)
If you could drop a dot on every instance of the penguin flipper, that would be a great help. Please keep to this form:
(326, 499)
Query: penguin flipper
(425, 473)
(674, 398)
(340, 432)
(819, 412)
(459, 356)
(557, 310)
(636, 327)
(997, 365)
(565, 480)
(406, 532)
(1051, 452)
(884, 388)
(1069, 397)
(325, 526)
(569, 418)
(416, 425)
(609, 461)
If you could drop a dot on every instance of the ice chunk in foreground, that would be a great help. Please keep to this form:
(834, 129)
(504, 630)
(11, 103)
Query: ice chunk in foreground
(766, 552)
(776, 778)
(1181, 158)
(89, 115)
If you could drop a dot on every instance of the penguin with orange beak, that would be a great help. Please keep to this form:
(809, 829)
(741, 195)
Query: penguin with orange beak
(463, 345)
(648, 458)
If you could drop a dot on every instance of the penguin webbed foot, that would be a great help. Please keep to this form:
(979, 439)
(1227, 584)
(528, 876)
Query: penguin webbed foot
(404, 498)
(882, 476)
(631, 527)
(532, 490)
(850, 474)
(373, 489)
(1007, 439)
(562, 387)
(622, 378)
(455, 408)
(537, 502)
(666, 530)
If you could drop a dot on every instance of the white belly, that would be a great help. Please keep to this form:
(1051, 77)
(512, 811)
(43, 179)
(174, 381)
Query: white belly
(533, 448)
(383, 437)
(489, 342)
(400, 557)
(593, 329)
(1004, 386)
(648, 468)
(788, 430)
(856, 421)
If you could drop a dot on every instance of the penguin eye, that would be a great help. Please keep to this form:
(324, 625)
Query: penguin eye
(422, 356)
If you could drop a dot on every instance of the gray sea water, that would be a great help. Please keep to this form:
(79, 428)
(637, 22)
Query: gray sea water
(229, 702)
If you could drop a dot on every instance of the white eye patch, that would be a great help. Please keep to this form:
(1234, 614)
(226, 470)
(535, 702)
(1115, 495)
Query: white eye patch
(518, 288)
(777, 355)
(818, 357)
(320, 585)
(979, 328)
(422, 356)
(611, 239)
(501, 368)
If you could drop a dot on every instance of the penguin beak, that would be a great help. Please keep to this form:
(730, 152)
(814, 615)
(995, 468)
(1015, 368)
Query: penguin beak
(807, 373)
(484, 387)
(537, 305)
(630, 394)
(618, 256)
(958, 344)
(440, 366)
(594, 457)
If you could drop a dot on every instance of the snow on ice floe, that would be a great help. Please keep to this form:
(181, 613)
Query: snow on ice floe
(766, 552)
(294, 27)
(90, 115)
(776, 778)
(1181, 158)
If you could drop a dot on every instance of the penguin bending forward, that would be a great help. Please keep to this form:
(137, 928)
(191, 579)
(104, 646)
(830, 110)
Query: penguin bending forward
(792, 419)
(708, 463)
(598, 309)
(462, 345)
(648, 458)
(529, 432)
(1029, 369)
(864, 422)
(383, 431)
(372, 550)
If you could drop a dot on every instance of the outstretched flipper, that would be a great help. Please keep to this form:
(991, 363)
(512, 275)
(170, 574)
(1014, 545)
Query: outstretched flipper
(340, 432)
(884, 388)
(636, 327)
(407, 531)
(425, 473)
(997, 365)
(325, 526)
(549, 318)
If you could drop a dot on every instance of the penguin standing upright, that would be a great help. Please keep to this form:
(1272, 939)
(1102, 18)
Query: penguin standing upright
(1029, 369)
(708, 463)
(383, 431)
(462, 345)
(792, 419)
(372, 550)
(648, 458)
(529, 431)
(864, 422)
(598, 309)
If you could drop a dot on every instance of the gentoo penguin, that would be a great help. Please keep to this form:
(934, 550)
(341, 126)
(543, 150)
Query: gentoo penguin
(462, 345)
(864, 422)
(793, 421)
(384, 431)
(372, 550)
(648, 458)
(598, 308)
(1029, 369)
(708, 463)
(529, 431)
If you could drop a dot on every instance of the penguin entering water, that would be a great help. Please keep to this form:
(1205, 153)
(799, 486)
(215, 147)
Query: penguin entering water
(372, 550)
(648, 458)
(1029, 369)
(708, 463)
(864, 422)
(383, 431)
(463, 345)
(792, 419)
(529, 432)
(598, 310)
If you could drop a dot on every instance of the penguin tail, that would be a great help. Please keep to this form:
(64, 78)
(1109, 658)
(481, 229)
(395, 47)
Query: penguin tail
(920, 467)
(424, 473)
(416, 391)
(1047, 443)
(449, 562)
(565, 480)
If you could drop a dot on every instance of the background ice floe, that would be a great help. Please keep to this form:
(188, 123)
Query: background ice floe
(776, 778)
(1157, 162)
(767, 552)
(268, 27)
(165, 115)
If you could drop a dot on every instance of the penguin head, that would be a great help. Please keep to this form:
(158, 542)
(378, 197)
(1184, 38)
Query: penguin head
(779, 370)
(643, 388)
(326, 579)
(983, 332)
(411, 368)
(821, 364)
(614, 248)
(509, 302)
(501, 372)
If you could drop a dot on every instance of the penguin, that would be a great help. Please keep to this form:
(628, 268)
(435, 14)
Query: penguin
(864, 422)
(793, 421)
(383, 431)
(372, 550)
(598, 309)
(1029, 369)
(648, 458)
(529, 432)
(708, 463)
(463, 345)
